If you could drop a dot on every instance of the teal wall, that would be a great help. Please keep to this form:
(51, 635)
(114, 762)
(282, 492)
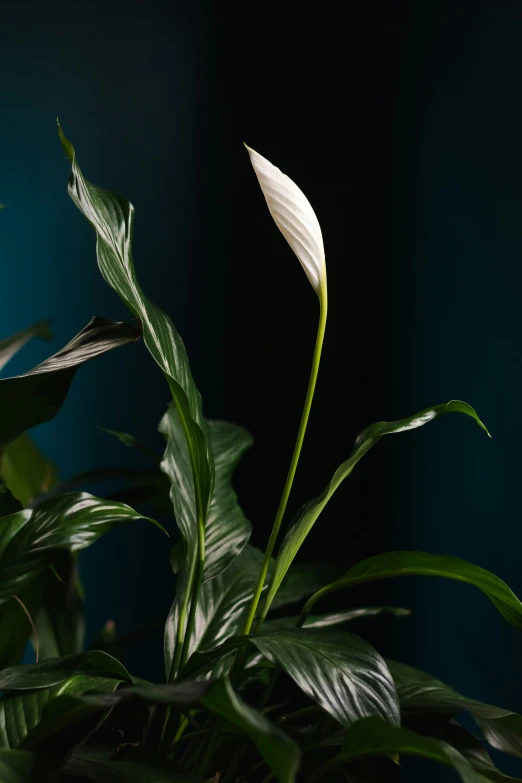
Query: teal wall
(127, 81)
(402, 121)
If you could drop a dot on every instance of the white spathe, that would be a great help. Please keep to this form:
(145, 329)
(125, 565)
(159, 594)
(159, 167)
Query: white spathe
(294, 217)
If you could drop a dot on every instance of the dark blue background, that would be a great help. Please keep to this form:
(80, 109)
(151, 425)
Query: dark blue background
(402, 122)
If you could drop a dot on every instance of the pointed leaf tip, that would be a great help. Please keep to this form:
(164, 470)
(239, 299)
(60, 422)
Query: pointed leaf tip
(66, 144)
(294, 217)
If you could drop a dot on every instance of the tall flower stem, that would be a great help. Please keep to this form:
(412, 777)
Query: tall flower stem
(323, 303)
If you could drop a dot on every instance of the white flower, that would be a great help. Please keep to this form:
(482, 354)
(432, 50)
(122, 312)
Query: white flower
(294, 217)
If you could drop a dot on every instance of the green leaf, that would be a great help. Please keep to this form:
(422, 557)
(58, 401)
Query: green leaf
(20, 766)
(30, 399)
(29, 718)
(11, 345)
(226, 529)
(179, 694)
(473, 751)
(133, 765)
(420, 693)
(72, 522)
(60, 623)
(8, 503)
(149, 484)
(25, 470)
(373, 737)
(222, 607)
(279, 751)
(15, 628)
(334, 618)
(338, 670)
(306, 517)
(28, 677)
(131, 442)
(112, 218)
(423, 564)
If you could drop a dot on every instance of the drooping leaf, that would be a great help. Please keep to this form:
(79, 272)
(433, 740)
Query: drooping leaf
(11, 345)
(27, 717)
(338, 670)
(391, 564)
(294, 217)
(70, 522)
(25, 470)
(420, 693)
(112, 218)
(222, 607)
(226, 529)
(279, 751)
(31, 676)
(334, 618)
(21, 766)
(37, 396)
(131, 765)
(307, 516)
(373, 737)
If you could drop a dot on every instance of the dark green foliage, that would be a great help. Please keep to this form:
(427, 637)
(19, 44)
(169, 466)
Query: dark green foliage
(246, 698)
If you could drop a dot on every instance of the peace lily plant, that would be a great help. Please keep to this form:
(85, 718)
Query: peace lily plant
(258, 687)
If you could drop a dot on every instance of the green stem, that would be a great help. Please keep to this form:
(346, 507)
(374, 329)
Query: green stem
(323, 303)
(180, 630)
(309, 605)
(195, 596)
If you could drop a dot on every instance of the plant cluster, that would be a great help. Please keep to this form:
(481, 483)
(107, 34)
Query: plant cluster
(251, 694)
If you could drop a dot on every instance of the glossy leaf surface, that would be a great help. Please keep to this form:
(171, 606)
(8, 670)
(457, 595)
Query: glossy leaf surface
(71, 522)
(226, 529)
(222, 606)
(294, 217)
(26, 718)
(307, 516)
(37, 396)
(392, 564)
(420, 693)
(112, 218)
(28, 677)
(9, 346)
(373, 737)
(338, 670)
